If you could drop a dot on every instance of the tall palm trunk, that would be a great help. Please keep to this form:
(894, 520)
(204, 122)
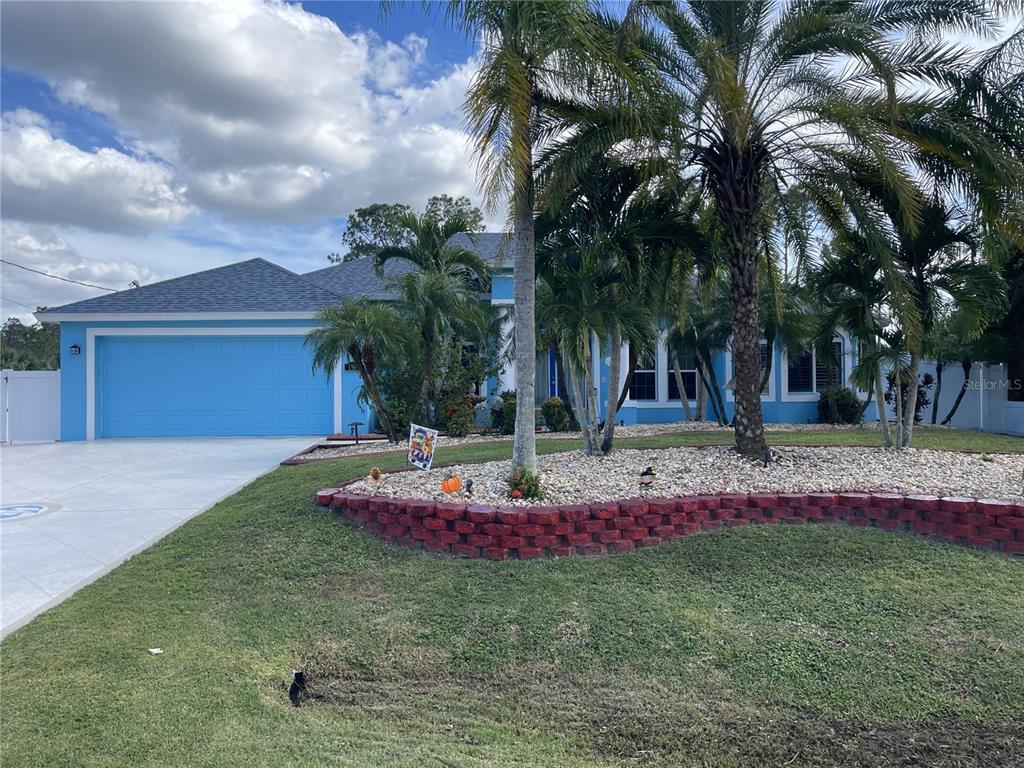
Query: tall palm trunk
(702, 392)
(743, 266)
(939, 365)
(580, 409)
(614, 367)
(899, 408)
(910, 406)
(711, 388)
(966, 364)
(681, 387)
(524, 444)
(883, 409)
(427, 384)
(630, 370)
(591, 395)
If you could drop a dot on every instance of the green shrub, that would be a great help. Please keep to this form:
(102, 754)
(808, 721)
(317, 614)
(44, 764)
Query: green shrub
(508, 424)
(508, 394)
(459, 415)
(848, 406)
(523, 485)
(555, 417)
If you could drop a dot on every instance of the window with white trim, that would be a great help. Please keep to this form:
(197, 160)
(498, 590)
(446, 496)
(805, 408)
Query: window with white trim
(644, 384)
(806, 374)
(688, 369)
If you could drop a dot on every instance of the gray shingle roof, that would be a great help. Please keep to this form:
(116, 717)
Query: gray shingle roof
(355, 279)
(256, 285)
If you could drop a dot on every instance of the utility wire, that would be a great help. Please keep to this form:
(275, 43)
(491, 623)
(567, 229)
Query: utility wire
(58, 277)
(12, 301)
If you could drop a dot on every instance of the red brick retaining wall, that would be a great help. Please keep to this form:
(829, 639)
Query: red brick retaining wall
(499, 533)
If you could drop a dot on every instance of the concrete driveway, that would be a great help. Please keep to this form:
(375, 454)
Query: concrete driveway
(73, 511)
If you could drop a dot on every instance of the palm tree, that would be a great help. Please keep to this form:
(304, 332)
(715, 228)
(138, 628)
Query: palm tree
(364, 331)
(765, 103)
(538, 61)
(441, 293)
(577, 299)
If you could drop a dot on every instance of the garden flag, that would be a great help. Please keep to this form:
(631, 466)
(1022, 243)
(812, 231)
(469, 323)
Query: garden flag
(421, 445)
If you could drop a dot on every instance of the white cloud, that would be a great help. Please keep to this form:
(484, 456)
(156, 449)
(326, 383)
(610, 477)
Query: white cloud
(266, 112)
(47, 179)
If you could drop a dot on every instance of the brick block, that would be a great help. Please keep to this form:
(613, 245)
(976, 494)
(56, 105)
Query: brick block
(543, 515)
(887, 500)
(449, 537)
(906, 515)
(876, 513)
(822, 499)
(450, 511)
(435, 524)
(737, 522)
(624, 546)
(578, 538)
(1013, 547)
(792, 500)
(480, 513)
(649, 541)
(956, 504)
(608, 536)
(512, 542)
(1016, 523)
(762, 500)
(593, 548)
(997, 533)
(423, 508)
(751, 513)
(707, 525)
(529, 529)
(387, 518)
(437, 546)
(562, 550)
(960, 531)
(650, 520)
(544, 541)
(664, 531)
(922, 502)
(590, 526)
(357, 501)
(496, 553)
(680, 518)
(661, 506)
(481, 540)
(848, 499)
(324, 496)
(394, 531)
(634, 534)
(924, 528)
(998, 507)
(975, 518)
(732, 500)
(465, 550)
(378, 504)
(722, 513)
(942, 518)
(560, 529)
(497, 529)
(529, 553)
(422, 534)
(690, 528)
(573, 513)
(621, 523)
(693, 503)
(464, 526)
(511, 516)
(890, 525)
(634, 507)
(604, 510)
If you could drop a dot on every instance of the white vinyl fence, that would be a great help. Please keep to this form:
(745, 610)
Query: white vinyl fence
(31, 406)
(985, 405)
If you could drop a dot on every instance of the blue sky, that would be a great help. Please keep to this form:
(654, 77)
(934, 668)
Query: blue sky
(143, 141)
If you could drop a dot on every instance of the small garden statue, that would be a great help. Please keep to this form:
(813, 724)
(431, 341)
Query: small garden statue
(647, 479)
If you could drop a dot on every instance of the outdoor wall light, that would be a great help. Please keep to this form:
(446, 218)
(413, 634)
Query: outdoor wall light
(75, 349)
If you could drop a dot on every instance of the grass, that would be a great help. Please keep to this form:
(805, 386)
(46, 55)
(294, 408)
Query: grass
(797, 645)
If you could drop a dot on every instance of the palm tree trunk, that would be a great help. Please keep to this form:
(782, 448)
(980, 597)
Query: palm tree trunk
(743, 257)
(910, 407)
(714, 391)
(899, 407)
(883, 409)
(524, 444)
(426, 386)
(939, 365)
(614, 366)
(966, 365)
(580, 409)
(591, 395)
(373, 391)
(563, 384)
(680, 386)
(702, 392)
(630, 370)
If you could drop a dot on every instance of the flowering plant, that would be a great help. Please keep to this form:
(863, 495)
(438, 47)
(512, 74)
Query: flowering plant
(523, 485)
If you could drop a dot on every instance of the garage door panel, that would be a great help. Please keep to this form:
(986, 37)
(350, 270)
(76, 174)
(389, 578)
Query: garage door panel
(163, 386)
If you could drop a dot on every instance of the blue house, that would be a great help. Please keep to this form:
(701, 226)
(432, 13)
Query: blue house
(220, 353)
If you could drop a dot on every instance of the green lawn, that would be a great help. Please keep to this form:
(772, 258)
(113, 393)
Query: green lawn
(795, 645)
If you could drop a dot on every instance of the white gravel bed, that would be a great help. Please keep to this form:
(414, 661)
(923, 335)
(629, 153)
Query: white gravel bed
(573, 477)
(334, 450)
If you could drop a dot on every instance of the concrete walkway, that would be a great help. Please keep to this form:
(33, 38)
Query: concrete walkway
(73, 511)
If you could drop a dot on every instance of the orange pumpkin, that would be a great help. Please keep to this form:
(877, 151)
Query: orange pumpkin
(451, 484)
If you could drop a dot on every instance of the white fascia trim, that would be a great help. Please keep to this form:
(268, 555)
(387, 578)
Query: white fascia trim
(94, 317)
(503, 302)
(813, 397)
(730, 394)
(90, 358)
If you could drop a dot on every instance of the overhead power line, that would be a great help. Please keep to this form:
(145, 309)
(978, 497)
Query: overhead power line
(12, 301)
(58, 277)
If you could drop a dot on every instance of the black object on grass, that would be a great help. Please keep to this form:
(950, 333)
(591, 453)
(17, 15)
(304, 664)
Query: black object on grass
(298, 685)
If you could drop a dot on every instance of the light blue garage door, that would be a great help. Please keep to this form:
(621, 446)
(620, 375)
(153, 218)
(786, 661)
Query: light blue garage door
(183, 386)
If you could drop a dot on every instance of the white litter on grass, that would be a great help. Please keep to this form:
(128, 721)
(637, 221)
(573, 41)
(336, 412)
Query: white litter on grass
(155, 651)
